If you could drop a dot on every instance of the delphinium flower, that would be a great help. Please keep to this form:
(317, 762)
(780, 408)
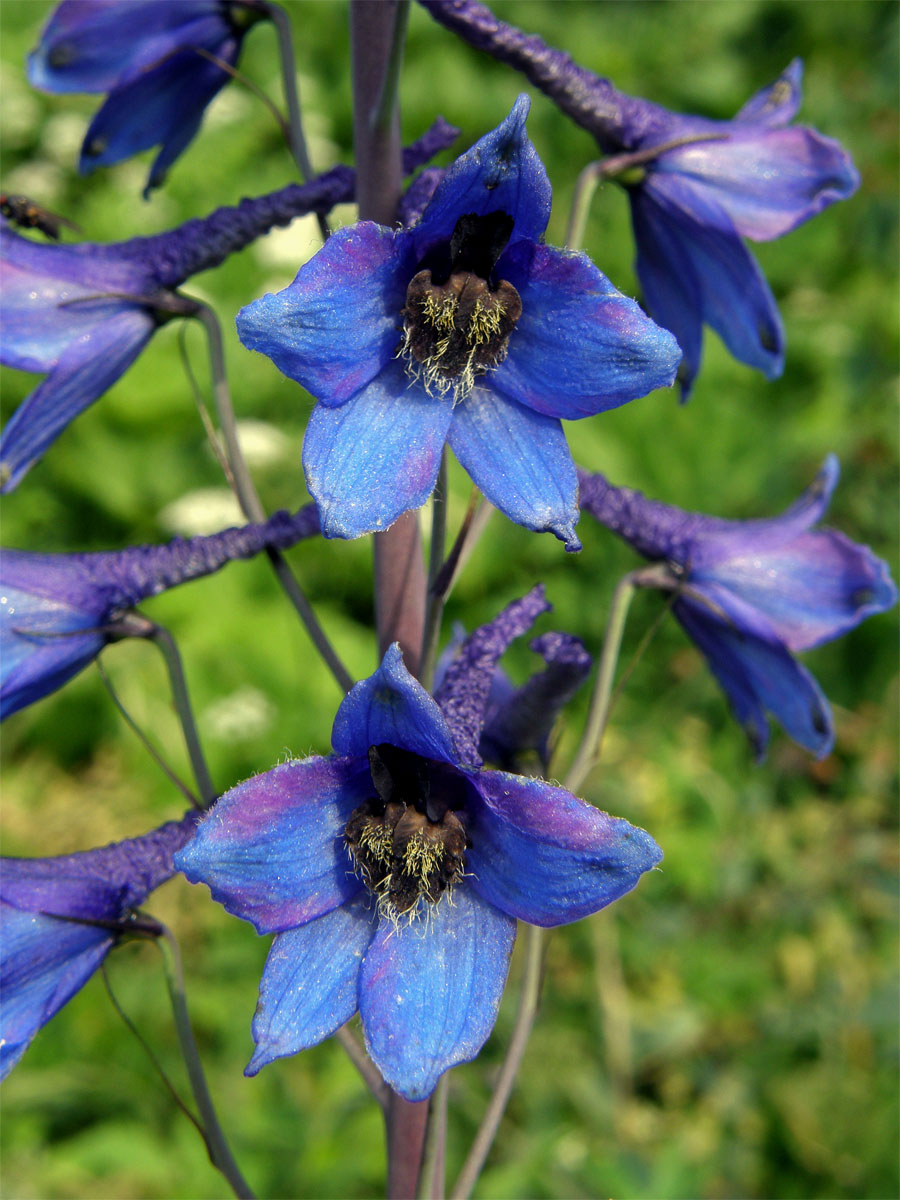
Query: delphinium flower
(161, 61)
(84, 312)
(60, 917)
(464, 329)
(753, 593)
(696, 187)
(393, 871)
(58, 611)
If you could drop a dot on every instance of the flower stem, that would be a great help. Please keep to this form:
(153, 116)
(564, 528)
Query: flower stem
(407, 1122)
(529, 998)
(169, 649)
(431, 1184)
(251, 504)
(585, 186)
(219, 1151)
(598, 714)
(435, 599)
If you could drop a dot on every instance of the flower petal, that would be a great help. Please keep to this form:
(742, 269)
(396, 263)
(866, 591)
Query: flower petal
(391, 706)
(376, 456)
(541, 854)
(429, 991)
(271, 850)
(769, 181)
(43, 963)
(309, 985)
(500, 173)
(520, 459)
(86, 369)
(778, 103)
(580, 347)
(339, 323)
(760, 675)
(678, 229)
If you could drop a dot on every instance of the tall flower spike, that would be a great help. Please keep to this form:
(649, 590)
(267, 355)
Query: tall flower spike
(393, 872)
(752, 593)
(83, 313)
(58, 611)
(696, 187)
(161, 61)
(60, 917)
(462, 329)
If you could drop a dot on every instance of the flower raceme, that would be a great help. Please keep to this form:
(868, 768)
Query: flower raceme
(392, 872)
(83, 313)
(60, 917)
(465, 329)
(161, 61)
(696, 187)
(753, 593)
(58, 611)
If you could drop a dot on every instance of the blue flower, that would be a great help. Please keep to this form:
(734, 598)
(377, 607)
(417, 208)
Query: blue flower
(752, 593)
(60, 917)
(463, 329)
(58, 611)
(696, 187)
(154, 58)
(393, 871)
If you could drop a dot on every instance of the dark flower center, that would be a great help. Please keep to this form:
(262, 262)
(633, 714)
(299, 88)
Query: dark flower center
(457, 318)
(406, 842)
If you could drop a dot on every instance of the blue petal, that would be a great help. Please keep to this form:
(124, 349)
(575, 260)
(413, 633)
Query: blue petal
(309, 985)
(580, 347)
(760, 676)
(338, 324)
(272, 851)
(768, 181)
(500, 173)
(429, 991)
(391, 706)
(376, 456)
(541, 854)
(90, 47)
(680, 233)
(778, 102)
(520, 460)
(43, 963)
(86, 369)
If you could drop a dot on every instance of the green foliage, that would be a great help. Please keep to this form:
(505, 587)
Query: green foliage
(729, 1029)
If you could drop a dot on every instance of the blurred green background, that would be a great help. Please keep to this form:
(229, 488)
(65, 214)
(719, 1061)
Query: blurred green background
(730, 1028)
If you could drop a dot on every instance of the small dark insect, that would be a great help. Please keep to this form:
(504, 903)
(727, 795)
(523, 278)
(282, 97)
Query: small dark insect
(28, 215)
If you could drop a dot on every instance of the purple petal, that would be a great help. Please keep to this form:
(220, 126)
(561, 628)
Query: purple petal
(309, 985)
(271, 850)
(338, 324)
(429, 991)
(760, 676)
(86, 369)
(777, 103)
(544, 856)
(390, 706)
(377, 456)
(580, 346)
(500, 173)
(520, 460)
(465, 687)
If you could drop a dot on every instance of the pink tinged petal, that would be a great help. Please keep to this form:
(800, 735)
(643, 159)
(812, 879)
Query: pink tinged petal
(391, 706)
(429, 991)
(520, 460)
(776, 104)
(544, 856)
(580, 346)
(769, 181)
(309, 985)
(376, 456)
(339, 323)
(272, 851)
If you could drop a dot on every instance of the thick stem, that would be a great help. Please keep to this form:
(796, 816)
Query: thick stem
(529, 999)
(407, 1123)
(219, 1151)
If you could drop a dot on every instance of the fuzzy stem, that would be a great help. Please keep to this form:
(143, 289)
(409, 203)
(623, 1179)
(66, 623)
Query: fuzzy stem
(219, 1151)
(529, 998)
